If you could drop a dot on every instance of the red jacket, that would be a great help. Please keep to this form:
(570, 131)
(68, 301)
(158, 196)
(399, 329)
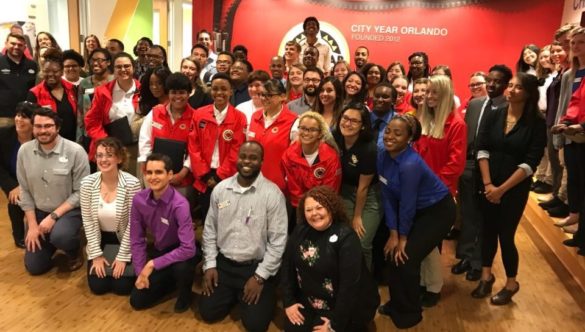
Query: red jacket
(446, 156)
(205, 133)
(99, 113)
(405, 106)
(576, 109)
(300, 176)
(162, 127)
(275, 140)
(44, 97)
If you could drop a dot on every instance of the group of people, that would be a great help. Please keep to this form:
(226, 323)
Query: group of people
(295, 174)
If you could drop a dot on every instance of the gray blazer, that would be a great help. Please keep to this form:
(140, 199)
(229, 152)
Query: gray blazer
(559, 140)
(128, 186)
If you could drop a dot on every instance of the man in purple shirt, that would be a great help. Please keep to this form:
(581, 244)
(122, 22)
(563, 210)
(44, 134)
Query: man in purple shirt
(165, 213)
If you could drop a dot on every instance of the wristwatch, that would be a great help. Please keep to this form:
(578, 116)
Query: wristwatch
(258, 279)
(54, 216)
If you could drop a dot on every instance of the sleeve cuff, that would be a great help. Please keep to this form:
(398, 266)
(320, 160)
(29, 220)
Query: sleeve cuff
(527, 169)
(483, 154)
(210, 265)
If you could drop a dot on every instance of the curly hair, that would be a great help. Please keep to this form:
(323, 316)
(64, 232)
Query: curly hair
(329, 199)
(114, 146)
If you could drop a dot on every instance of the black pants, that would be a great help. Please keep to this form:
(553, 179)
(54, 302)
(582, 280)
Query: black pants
(574, 166)
(313, 318)
(469, 243)
(16, 216)
(500, 224)
(431, 224)
(203, 200)
(178, 276)
(99, 286)
(230, 291)
(578, 165)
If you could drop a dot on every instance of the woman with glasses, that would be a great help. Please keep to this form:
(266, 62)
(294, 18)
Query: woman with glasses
(105, 200)
(115, 101)
(99, 63)
(56, 93)
(272, 127)
(312, 160)
(11, 138)
(72, 66)
(361, 196)
(477, 89)
(330, 100)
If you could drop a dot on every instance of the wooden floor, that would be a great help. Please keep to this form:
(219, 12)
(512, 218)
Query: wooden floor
(549, 299)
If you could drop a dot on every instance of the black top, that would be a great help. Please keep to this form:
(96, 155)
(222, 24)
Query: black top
(357, 160)
(200, 99)
(240, 94)
(65, 112)
(15, 81)
(325, 272)
(524, 144)
(9, 146)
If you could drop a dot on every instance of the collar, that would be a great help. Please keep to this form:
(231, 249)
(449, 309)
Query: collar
(237, 188)
(131, 91)
(217, 112)
(386, 117)
(166, 197)
(58, 149)
(275, 116)
(498, 101)
(402, 155)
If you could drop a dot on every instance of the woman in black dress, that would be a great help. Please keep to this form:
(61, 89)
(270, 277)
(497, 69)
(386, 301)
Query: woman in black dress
(326, 285)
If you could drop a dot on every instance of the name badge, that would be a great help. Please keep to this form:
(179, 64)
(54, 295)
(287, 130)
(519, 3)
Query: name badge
(63, 159)
(157, 125)
(383, 179)
(88, 91)
(164, 221)
(60, 171)
(251, 134)
(222, 205)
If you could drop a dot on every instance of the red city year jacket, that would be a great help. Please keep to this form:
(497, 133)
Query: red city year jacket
(275, 140)
(205, 132)
(300, 176)
(576, 109)
(44, 97)
(99, 113)
(162, 127)
(446, 156)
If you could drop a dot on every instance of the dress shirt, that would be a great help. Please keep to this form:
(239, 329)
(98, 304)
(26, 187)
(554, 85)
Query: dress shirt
(122, 103)
(219, 117)
(300, 105)
(248, 109)
(169, 221)
(49, 178)
(408, 185)
(495, 103)
(383, 123)
(324, 60)
(245, 224)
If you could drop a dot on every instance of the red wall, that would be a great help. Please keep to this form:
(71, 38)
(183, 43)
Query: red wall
(478, 35)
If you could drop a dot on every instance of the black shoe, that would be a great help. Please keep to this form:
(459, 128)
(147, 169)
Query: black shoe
(571, 243)
(384, 309)
(183, 303)
(581, 252)
(559, 211)
(473, 275)
(463, 266)
(504, 296)
(430, 299)
(542, 188)
(484, 288)
(20, 244)
(534, 185)
(453, 234)
(555, 201)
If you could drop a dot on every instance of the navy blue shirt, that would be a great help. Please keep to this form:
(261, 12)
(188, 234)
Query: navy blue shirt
(408, 185)
(384, 122)
(579, 74)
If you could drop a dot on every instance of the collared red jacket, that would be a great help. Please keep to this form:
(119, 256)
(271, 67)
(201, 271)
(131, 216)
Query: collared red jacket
(99, 113)
(300, 176)
(576, 109)
(275, 140)
(44, 97)
(205, 132)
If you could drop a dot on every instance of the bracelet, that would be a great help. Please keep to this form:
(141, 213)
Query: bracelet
(487, 184)
(258, 279)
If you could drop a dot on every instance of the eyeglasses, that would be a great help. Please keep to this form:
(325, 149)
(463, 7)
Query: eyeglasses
(312, 80)
(311, 130)
(353, 122)
(223, 62)
(45, 126)
(99, 61)
(104, 156)
(476, 85)
(120, 67)
(268, 95)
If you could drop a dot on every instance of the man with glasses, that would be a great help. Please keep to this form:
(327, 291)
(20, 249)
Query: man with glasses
(239, 73)
(312, 77)
(49, 170)
(18, 77)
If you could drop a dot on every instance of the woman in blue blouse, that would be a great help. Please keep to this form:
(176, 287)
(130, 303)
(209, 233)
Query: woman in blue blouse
(419, 211)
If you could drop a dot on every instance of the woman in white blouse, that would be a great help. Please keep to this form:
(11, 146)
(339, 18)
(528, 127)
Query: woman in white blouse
(106, 199)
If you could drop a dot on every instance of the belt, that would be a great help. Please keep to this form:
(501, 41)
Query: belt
(243, 263)
(6, 122)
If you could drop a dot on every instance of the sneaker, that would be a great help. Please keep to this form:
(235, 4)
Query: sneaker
(430, 299)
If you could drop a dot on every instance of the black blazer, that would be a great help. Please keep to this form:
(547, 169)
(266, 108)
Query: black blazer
(8, 141)
(524, 144)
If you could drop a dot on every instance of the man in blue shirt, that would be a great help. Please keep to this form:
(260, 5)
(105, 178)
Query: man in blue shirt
(383, 111)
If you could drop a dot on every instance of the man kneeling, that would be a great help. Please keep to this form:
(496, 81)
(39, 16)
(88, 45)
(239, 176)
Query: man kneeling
(170, 264)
